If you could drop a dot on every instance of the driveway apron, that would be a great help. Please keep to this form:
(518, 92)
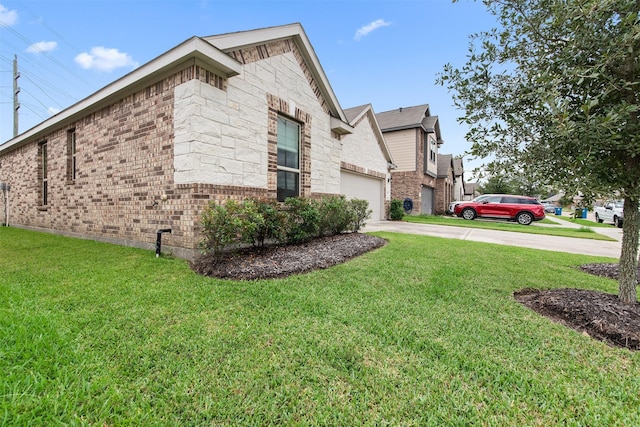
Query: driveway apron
(534, 241)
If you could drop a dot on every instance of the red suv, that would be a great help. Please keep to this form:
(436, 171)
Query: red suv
(522, 209)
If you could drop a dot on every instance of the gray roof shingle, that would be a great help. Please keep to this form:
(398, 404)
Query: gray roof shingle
(402, 118)
(444, 163)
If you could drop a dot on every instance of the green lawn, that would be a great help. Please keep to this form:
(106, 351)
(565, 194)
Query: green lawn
(584, 232)
(424, 331)
(589, 223)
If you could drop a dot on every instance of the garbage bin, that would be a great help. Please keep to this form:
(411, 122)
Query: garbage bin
(580, 213)
(558, 211)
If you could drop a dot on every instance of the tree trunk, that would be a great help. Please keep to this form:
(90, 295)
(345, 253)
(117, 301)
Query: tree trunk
(629, 255)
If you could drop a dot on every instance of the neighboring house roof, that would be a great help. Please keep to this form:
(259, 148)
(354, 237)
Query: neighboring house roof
(470, 188)
(554, 198)
(458, 168)
(354, 114)
(408, 118)
(212, 51)
(445, 162)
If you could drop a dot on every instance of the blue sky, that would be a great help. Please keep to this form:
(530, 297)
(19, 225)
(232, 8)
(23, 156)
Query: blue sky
(386, 53)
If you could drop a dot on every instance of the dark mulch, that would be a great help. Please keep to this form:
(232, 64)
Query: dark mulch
(284, 260)
(600, 315)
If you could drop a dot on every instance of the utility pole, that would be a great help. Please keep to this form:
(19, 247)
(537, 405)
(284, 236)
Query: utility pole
(16, 90)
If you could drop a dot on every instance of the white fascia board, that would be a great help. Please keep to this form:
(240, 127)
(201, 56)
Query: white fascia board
(234, 41)
(194, 49)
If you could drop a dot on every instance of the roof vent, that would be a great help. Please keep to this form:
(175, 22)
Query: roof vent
(401, 109)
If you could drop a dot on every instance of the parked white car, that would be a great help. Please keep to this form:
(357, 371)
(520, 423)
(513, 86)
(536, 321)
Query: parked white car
(610, 212)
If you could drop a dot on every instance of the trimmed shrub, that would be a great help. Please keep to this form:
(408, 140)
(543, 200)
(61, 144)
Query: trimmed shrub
(396, 211)
(303, 220)
(258, 221)
(222, 226)
(360, 213)
(336, 215)
(270, 221)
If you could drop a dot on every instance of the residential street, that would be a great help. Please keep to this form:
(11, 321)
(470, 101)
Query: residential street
(535, 241)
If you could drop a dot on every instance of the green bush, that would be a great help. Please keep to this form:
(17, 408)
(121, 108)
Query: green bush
(335, 215)
(258, 221)
(360, 213)
(223, 225)
(270, 221)
(303, 222)
(396, 211)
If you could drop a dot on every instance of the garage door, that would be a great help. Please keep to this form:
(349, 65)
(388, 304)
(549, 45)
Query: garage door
(366, 188)
(427, 201)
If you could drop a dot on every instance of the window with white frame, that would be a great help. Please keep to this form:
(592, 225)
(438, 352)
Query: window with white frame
(288, 159)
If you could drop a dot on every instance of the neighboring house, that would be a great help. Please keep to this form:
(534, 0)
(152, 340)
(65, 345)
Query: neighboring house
(413, 137)
(458, 183)
(365, 162)
(246, 114)
(554, 199)
(444, 183)
(470, 190)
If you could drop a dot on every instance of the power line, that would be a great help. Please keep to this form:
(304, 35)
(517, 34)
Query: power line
(46, 55)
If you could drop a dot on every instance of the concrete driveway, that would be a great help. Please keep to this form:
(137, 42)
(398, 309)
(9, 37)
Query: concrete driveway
(535, 241)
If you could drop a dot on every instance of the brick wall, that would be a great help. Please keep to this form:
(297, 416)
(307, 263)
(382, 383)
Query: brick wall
(409, 184)
(123, 190)
(444, 195)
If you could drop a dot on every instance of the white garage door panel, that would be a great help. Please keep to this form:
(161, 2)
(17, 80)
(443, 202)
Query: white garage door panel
(355, 186)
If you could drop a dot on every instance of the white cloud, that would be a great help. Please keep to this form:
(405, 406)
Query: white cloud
(364, 31)
(53, 110)
(42, 47)
(7, 17)
(102, 59)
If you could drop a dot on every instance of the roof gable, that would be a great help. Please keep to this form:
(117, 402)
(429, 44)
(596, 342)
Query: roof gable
(445, 164)
(403, 117)
(458, 168)
(355, 115)
(212, 51)
(237, 41)
(417, 116)
(194, 50)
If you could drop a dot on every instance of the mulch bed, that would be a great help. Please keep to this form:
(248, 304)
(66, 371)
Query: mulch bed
(600, 315)
(285, 260)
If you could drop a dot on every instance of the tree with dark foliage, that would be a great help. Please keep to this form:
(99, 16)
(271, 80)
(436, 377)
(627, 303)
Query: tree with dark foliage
(556, 91)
